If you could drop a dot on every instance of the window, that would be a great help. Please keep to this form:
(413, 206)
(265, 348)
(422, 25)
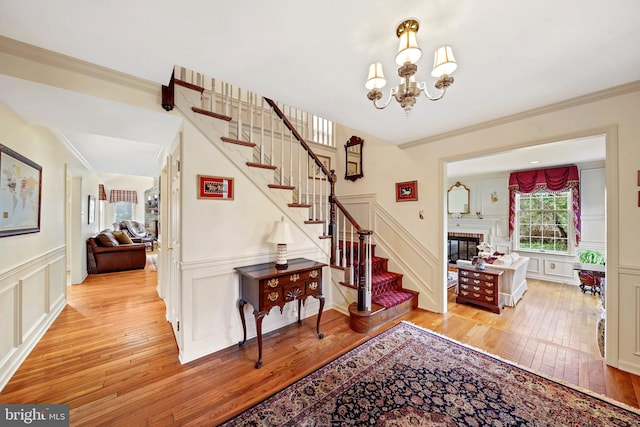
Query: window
(123, 211)
(544, 221)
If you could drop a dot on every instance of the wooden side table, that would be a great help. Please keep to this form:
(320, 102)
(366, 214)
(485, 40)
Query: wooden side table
(264, 287)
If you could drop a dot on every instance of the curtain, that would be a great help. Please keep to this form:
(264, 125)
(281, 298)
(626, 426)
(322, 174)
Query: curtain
(550, 180)
(123, 196)
(102, 194)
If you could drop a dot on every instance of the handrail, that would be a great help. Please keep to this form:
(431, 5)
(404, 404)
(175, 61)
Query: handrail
(347, 214)
(301, 140)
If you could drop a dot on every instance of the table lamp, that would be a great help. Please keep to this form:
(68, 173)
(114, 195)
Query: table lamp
(281, 235)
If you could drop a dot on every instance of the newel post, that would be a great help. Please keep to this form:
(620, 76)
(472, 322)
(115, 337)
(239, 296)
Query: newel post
(364, 273)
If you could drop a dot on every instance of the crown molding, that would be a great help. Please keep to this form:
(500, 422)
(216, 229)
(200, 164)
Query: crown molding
(37, 54)
(562, 105)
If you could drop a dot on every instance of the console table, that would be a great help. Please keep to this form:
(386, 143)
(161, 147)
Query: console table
(480, 287)
(264, 287)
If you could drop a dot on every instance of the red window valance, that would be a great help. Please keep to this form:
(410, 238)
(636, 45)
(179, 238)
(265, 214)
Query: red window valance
(550, 180)
(123, 196)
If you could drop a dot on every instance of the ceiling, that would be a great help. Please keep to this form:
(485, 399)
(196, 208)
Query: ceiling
(512, 56)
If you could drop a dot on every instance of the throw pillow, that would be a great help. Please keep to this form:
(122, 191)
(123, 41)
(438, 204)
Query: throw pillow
(107, 239)
(122, 238)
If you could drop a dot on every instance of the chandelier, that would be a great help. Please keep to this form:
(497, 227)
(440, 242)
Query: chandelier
(408, 54)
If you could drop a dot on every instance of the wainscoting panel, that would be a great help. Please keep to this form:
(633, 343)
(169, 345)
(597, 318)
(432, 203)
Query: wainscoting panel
(31, 297)
(8, 313)
(33, 300)
(629, 322)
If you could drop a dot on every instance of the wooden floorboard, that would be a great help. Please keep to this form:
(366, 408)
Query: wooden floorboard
(113, 358)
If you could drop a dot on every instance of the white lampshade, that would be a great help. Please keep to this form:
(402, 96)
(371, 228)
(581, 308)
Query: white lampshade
(443, 62)
(376, 79)
(408, 50)
(281, 233)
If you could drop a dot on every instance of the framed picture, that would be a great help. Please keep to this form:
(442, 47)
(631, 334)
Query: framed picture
(314, 169)
(215, 187)
(406, 191)
(20, 194)
(92, 210)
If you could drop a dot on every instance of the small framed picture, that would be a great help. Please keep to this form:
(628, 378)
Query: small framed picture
(215, 187)
(314, 169)
(406, 191)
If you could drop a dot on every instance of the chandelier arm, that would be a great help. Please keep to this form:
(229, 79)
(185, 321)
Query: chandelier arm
(386, 104)
(423, 87)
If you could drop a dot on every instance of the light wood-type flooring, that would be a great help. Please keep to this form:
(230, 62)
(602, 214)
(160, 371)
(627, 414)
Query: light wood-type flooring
(112, 356)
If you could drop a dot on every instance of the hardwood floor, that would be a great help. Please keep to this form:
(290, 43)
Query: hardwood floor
(112, 357)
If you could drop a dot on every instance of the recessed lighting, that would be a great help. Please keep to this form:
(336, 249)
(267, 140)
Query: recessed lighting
(534, 162)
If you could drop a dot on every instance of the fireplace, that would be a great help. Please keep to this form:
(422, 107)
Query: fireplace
(463, 246)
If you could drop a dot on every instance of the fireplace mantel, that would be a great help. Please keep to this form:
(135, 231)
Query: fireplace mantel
(486, 227)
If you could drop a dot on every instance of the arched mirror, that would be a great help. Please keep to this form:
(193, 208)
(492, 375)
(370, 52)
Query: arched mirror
(458, 199)
(353, 156)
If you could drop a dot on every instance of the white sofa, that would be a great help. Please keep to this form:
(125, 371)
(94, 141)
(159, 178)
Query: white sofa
(514, 279)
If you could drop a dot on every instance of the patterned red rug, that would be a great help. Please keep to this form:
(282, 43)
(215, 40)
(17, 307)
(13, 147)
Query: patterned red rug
(408, 376)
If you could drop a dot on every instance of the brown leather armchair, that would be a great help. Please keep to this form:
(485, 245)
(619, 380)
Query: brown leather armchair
(105, 255)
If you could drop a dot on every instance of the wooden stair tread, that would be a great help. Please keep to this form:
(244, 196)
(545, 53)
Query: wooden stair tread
(281, 187)
(210, 114)
(237, 142)
(299, 205)
(325, 236)
(260, 165)
(189, 85)
(315, 221)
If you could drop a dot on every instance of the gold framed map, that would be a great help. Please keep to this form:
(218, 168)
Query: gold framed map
(20, 193)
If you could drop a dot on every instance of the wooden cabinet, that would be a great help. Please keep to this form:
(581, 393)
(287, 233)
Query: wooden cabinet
(264, 287)
(480, 287)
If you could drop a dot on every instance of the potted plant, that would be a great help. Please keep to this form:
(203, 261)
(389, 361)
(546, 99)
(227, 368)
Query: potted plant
(591, 256)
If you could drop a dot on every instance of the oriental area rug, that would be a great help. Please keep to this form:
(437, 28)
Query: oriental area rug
(408, 376)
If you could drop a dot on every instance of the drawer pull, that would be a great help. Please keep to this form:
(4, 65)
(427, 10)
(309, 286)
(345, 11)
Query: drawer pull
(476, 288)
(464, 286)
(465, 273)
(464, 293)
(489, 298)
(273, 296)
(272, 283)
(489, 291)
(313, 274)
(476, 281)
(476, 274)
(464, 279)
(294, 277)
(313, 286)
(476, 295)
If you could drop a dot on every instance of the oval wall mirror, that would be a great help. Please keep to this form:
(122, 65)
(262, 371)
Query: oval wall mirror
(353, 156)
(458, 199)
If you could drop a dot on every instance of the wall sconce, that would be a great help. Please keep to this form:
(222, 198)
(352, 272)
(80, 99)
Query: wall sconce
(281, 235)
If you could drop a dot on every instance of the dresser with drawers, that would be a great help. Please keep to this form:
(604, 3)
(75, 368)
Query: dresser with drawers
(264, 286)
(480, 287)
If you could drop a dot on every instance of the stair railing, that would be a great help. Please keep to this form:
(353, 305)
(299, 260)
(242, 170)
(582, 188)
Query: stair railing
(279, 146)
